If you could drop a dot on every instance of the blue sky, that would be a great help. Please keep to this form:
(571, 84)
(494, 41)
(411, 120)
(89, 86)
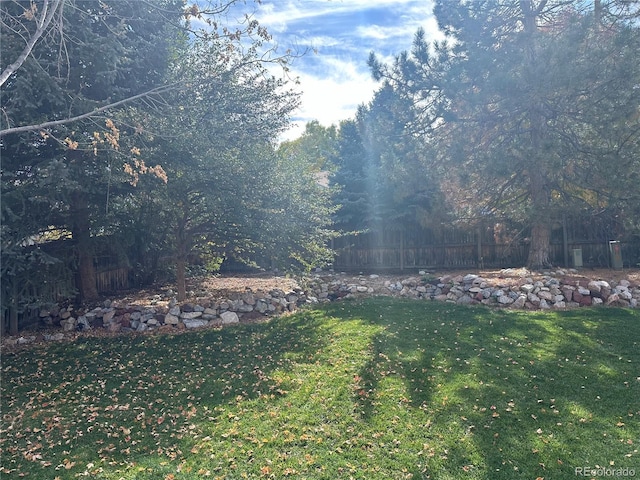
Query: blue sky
(334, 77)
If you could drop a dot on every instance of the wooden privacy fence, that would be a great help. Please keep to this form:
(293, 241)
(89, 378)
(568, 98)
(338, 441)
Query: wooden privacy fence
(402, 250)
(114, 279)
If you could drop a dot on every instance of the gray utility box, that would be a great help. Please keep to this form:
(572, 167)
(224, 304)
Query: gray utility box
(577, 257)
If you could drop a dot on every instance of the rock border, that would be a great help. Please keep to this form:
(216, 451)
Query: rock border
(513, 288)
(517, 289)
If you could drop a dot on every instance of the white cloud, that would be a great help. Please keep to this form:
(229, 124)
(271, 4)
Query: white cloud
(335, 79)
(323, 41)
(331, 98)
(376, 32)
(294, 10)
(337, 36)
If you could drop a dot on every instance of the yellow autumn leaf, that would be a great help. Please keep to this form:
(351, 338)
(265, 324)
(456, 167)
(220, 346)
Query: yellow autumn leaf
(71, 144)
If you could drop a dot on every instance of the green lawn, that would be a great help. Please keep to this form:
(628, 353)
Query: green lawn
(374, 389)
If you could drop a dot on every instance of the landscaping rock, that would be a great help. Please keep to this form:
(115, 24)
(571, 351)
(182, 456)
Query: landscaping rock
(68, 324)
(194, 322)
(229, 318)
(23, 340)
(519, 302)
(505, 300)
(83, 323)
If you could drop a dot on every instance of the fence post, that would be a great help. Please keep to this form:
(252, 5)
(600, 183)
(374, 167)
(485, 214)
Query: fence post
(402, 250)
(565, 241)
(479, 233)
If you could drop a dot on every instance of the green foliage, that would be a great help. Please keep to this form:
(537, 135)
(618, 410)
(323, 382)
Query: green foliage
(383, 168)
(190, 168)
(95, 52)
(229, 193)
(317, 144)
(31, 279)
(66, 177)
(373, 389)
(532, 108)
(428, 278)
(351, 175)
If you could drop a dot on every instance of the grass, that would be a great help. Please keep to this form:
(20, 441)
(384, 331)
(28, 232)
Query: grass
(373, 389)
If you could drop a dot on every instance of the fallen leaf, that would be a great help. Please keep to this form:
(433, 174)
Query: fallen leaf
(265, 470)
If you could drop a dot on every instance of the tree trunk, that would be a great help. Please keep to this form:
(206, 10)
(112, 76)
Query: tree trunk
(540, 246)
(540, 220)
(540, 216)
(539, 192)
(182, 249)
(597, 12)
(86, 275)
(181, 280)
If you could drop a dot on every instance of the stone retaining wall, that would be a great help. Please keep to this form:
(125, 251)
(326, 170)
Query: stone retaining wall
(551, 290)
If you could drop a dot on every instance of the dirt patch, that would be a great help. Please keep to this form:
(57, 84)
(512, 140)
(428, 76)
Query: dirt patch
(214, 287)
(222, 285)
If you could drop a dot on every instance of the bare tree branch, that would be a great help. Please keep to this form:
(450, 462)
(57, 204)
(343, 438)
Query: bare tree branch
(64, 121)
(44, 22)
(49, 10)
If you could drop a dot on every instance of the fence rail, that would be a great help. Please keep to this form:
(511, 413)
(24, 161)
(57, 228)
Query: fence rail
(113, 280)
(359, 255)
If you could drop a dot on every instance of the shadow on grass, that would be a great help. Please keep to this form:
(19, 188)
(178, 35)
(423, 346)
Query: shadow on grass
(512, 394)
(117, 402)
(401, 387)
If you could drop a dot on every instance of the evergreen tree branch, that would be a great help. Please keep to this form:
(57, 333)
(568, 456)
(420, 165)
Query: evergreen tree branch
(49, 10)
